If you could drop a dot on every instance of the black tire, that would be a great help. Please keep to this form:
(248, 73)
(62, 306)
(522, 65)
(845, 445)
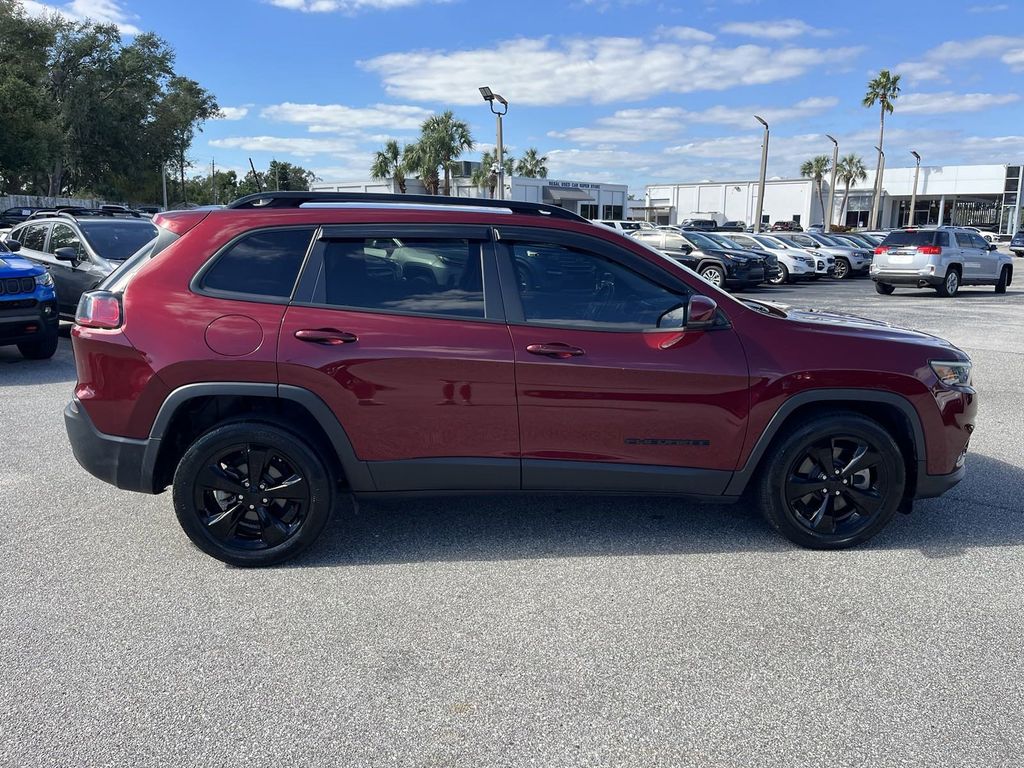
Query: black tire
(783, 277)
(884, 288)
(714, 274)
(864, 481)
(41, 349)
(842, 269)
(950, 284)
(815, 277)
(230, 515)
(1004, 280)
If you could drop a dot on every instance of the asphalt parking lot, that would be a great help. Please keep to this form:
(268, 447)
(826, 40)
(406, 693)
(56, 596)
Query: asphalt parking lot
(561, 631)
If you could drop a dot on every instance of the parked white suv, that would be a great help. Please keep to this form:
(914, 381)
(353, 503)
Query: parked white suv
(943, 258)
(794, 263)
(624, 227)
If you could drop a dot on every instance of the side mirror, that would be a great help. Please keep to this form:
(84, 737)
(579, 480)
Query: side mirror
(66, 254)
(13, 246)
(687, 249)
(701, 312)
(992, 246)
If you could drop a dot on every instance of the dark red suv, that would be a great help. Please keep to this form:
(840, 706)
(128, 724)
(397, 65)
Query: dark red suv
(265, 359)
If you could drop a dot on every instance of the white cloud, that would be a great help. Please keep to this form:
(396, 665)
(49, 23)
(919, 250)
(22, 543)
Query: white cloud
(947, 102)
(346, 6)
(659, 123)
(338, 118)
(233, 113)
(538, 71)
(300, 147)
(934, 63)
(686, 34)
(773, 30)
(99, 11)
(996, 8)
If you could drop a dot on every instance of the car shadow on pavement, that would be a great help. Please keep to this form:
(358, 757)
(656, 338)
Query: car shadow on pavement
(983, 511)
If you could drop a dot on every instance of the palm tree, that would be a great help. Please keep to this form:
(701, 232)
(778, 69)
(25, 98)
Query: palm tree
(849, 170)
(882, 90)
(815, 169)
(449, 138)
(387, 164)
(485, 177)
(423, 159)
(532, 165)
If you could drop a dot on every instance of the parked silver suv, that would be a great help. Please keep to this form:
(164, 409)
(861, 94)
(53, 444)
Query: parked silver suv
(943, 258)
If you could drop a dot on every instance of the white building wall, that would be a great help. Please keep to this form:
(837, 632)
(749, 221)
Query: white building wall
(737, 200)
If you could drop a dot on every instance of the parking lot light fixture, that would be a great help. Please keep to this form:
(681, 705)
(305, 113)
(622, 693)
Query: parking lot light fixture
(764, 173)
(499, 149)
(913, 195)
(832, 184)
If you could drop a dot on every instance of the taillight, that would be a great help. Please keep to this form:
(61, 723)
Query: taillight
(99, 309)
(881, 249)
(931, 250)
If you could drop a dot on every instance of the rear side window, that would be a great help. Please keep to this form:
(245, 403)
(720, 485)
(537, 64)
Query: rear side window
(33, 237)
(264, 264)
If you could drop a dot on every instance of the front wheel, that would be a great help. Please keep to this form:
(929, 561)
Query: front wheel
(833, 482)
(884, 288)
(842, 269)
(782, 278)
(714, 275)
(40, 349)
(252, 494)
(1004, 280)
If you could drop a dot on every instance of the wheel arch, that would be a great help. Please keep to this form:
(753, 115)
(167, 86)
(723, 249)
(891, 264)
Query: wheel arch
(894, 412)
(193, 409)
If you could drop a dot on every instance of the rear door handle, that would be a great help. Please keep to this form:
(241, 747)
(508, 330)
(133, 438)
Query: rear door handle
(554, 349)
(329, 336)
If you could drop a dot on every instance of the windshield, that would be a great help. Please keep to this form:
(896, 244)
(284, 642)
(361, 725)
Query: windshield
(702, 241)
(723, 240)
(770, 242)
(117, 240)
(825, 240)
(118, 280)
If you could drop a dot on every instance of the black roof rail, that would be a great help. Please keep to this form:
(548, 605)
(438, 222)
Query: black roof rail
(293, 199)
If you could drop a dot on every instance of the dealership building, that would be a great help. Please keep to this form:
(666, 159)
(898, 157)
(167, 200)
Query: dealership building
(590, 199)
(986, 196)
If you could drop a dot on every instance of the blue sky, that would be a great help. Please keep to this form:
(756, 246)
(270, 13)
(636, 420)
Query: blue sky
(633, 91)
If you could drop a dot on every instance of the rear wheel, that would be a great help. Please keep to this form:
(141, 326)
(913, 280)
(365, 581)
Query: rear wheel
(950, 284)
(833, 482)
(884, 288)
(41, 349)
(714, 275)
(782, 277)
(1004, 279)
(842, 269)
(252, 494)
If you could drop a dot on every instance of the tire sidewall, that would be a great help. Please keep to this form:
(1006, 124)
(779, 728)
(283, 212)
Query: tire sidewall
(294, 448)
(720, 283)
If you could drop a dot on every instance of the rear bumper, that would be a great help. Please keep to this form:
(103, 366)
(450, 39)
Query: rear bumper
(933, 486)
(907, 278)
(120, 461)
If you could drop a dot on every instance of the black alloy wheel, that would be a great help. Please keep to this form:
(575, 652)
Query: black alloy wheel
(251, 494)
(833, 482)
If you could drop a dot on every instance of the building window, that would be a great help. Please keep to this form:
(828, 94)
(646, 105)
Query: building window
(613, 212)
(588, 210)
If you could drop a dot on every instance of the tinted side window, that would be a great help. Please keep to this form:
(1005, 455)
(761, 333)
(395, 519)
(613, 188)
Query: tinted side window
(942, 239)
(979, 242)
(565, 286)
(261, 264)
(417, 276)
(33, 236)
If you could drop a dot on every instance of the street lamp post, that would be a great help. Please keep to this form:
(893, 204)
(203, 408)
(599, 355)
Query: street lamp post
(832, 184)
(876, 207)
(764, 173)
(913, 195)
(490, 97)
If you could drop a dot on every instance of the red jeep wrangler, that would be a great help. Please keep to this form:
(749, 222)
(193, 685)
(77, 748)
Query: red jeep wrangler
(267, 358)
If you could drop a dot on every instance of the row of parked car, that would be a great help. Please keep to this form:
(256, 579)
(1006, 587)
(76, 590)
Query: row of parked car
(48, 261)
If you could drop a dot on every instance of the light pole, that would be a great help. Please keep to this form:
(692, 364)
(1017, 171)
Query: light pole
(764, 173)
(913, 195)
(832, 184)
(876, 206)
(490, 97)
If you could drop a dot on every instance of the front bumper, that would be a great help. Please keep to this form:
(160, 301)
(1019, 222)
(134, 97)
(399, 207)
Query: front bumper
(121, 461)
(933, 486)
(29, 323)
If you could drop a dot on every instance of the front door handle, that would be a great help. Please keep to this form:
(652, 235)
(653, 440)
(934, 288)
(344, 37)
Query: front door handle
(329, 336)
(554, 349)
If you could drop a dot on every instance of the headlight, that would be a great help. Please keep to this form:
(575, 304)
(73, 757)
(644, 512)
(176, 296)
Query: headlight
(45, 280)
(955, 373)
